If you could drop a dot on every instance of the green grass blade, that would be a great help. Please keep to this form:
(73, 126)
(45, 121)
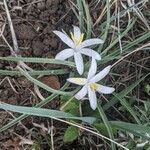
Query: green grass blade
(139, 130)
(122, 13)
(34, 72)
(123, 93)
(81, 14)
(131, 45)
(107, 25)
(145, 36)
(127, 106)
(88, 19)
(106, 122)
(42, 112)
(117, 39)
(39, 60)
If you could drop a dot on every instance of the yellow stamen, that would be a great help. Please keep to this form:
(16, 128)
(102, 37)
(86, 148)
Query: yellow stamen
(93, 86)
(81, 38)
(72, 36)
(76, 40)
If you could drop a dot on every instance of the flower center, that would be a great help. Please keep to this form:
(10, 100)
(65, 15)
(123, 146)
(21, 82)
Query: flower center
(93, 86)
(77, 40)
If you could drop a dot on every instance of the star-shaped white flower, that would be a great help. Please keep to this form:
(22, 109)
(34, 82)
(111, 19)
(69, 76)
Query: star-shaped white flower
(90, 86)
(77, 47)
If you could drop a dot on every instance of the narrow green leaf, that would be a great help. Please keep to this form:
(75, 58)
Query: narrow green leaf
(42, 112)
(117, 39)
(139, 130)
(129, 47)
(39, 60)
(106, 122)
(121, 14)
(88, 19)
(34, 72)
(127, 106)
(107, 25)
(81, 14)
(123, 93)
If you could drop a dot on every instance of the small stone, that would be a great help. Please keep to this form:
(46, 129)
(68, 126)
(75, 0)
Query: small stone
(51, 81)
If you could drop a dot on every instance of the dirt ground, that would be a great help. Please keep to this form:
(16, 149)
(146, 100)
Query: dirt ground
(33, 22)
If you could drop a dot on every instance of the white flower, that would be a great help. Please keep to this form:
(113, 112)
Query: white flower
(90, 86)
(77, 47)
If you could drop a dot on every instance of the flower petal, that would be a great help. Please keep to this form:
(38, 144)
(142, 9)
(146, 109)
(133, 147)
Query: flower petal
(65, 38)
(78, 81)
(101, 74)
(92, 98)
(66, 53)
(92, 70)
(90, 42)
(76, 32)
(91, 53)
(79, 62)
(104, 89)
(81, 93)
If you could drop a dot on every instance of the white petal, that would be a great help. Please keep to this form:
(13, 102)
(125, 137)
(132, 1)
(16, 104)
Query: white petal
(101, 74)
(65, 38)
(79, 62)
(104, 89)
(92, 98)
(66, 53)
(77, 32)
(91, 53)
(92, 70)
(90, 42)
(78, 81)
(81, 93)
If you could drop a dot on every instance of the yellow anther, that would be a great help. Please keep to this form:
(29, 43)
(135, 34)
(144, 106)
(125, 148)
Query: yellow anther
(72, 36)
(93, 86)
(81, 38)
(76, 40)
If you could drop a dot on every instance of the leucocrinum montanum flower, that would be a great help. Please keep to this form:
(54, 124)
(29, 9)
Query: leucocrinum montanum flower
(90, 85)
(77, 47)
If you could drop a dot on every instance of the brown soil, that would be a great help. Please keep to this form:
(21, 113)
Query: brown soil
(33, 22)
